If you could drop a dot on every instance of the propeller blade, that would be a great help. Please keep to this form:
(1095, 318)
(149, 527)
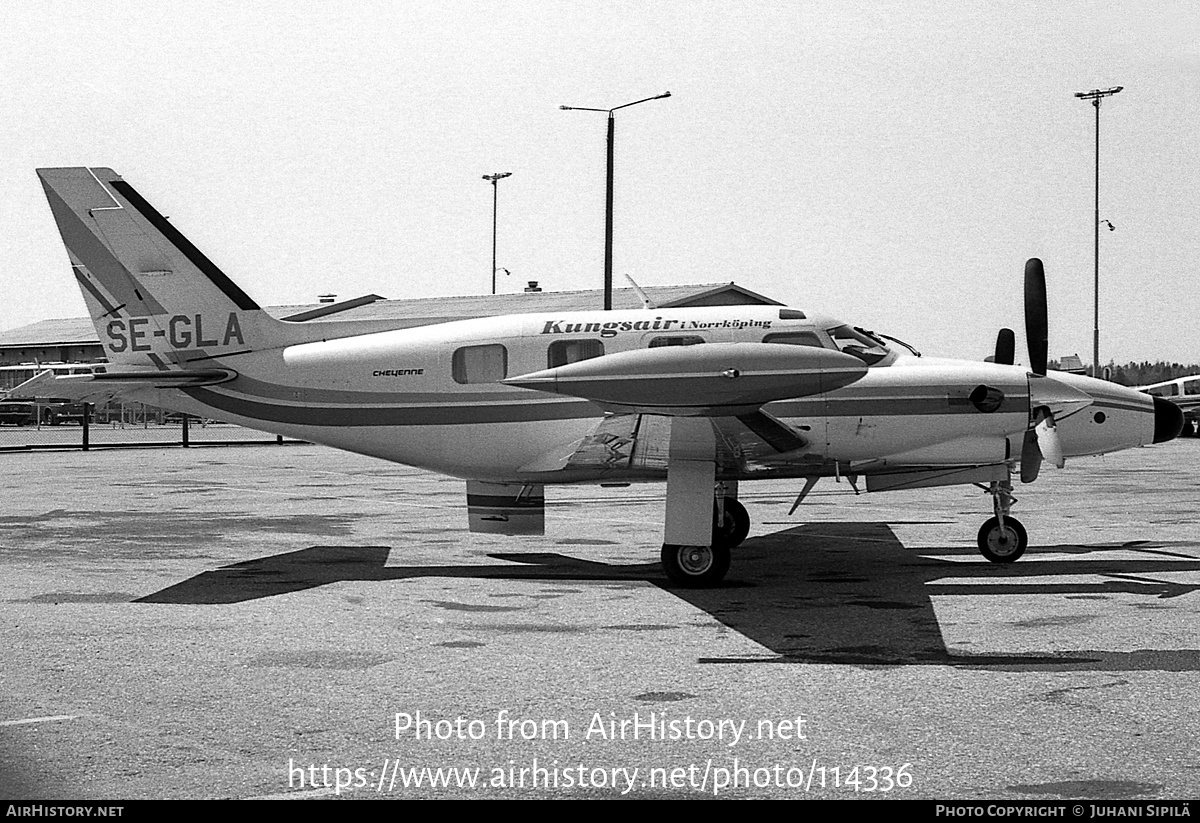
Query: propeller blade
(1031, 457)
(1037, 333)
(1006, 347)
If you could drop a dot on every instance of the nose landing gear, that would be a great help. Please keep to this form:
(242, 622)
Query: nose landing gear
(1002, 539)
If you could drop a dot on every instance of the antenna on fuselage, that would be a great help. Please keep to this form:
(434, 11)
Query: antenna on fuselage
(647, 303)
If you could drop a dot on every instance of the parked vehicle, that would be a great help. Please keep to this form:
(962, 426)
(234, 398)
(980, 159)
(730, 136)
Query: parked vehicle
(54, 412)
(17, 413)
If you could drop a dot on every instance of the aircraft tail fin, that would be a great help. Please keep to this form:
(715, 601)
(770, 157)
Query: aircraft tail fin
(154, 297)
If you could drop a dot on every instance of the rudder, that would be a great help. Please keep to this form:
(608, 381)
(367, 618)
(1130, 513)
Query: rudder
(152, 295)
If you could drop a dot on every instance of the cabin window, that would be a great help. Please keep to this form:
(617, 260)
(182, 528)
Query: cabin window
(480, 364)
(796, 338)
(1191, 386)
(1169, 390)
(563, 352)
(676, 340)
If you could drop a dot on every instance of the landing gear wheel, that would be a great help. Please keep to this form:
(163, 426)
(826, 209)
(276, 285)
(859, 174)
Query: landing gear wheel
(1002, 545)
(695, 567)
(733, 527)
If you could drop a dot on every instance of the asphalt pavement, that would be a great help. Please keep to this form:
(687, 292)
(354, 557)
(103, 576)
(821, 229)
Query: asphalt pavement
(295, 622)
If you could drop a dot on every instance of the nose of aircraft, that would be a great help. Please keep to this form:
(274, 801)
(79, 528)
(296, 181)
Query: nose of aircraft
(1168, 420)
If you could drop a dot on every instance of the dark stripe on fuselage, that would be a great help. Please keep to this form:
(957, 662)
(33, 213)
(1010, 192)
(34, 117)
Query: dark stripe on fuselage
(833, 406)
(451, 413)
(255, 389)
(351, 416)
(866, 402)
(206, 266)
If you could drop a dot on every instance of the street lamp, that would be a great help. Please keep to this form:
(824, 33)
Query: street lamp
(1096, 95)
(608, 209)
(500, 175)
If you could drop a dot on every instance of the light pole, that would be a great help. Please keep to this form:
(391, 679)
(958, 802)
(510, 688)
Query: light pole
(500, 175)
(608, 207)
(1096, 95)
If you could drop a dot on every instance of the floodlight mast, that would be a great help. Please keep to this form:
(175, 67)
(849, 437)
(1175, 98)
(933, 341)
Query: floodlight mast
(500, 175)
(608, 209)
(1096, 95)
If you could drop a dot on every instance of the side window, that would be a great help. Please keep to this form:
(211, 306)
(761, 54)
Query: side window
(480, 364)
(563, 352)
(1191, 387)
(677, 340)
(795, 338)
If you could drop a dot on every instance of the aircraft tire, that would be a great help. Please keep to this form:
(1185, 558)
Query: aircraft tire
(730, 533)
(695, 567)
(994, 549)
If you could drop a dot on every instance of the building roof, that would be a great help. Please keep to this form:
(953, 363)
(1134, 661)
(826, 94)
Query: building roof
(78, 331)
(70, 331)
(489, 305)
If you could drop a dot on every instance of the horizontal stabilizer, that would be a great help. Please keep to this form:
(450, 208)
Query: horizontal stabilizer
(714, 379)
(90, 387)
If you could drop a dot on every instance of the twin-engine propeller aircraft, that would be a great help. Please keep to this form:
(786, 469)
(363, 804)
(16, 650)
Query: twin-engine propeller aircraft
(703, 397)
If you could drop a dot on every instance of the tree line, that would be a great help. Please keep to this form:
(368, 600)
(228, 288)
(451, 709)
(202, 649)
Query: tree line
(1145, 373)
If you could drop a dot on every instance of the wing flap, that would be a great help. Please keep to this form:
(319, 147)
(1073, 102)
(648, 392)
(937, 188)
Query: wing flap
(638, 444)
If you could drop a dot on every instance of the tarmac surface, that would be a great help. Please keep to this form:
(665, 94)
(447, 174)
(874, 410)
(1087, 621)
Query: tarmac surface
(290, 621)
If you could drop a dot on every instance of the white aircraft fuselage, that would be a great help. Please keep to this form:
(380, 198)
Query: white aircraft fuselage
(393, 395)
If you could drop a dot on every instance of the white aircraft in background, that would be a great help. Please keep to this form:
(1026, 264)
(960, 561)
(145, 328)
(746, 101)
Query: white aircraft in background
(703, 397)
(1184, 392)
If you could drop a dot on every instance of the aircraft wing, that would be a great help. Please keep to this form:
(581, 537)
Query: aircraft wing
(92, 388)
(728, 383)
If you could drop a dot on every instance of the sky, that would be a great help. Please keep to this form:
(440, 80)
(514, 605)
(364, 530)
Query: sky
(892, 164)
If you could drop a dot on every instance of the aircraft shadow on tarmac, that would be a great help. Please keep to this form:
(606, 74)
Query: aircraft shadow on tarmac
(833, 593)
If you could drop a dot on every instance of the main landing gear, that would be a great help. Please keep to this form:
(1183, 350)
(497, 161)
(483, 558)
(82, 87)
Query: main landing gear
(731, 523)
(698, 533)
(698, 566)
(1002, 539)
